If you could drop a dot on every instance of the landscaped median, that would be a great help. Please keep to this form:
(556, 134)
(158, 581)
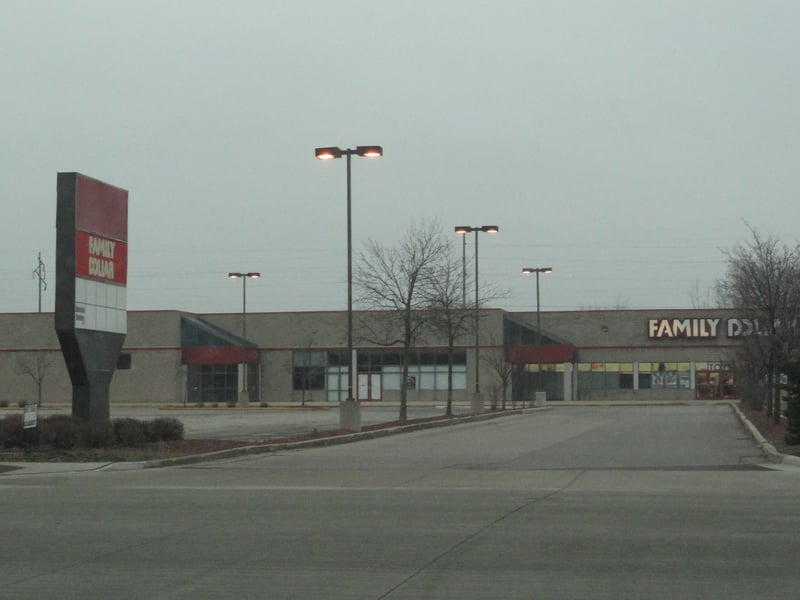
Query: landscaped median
(61, 437)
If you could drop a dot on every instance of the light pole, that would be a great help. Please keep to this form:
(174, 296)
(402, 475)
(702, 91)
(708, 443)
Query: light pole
(350, 417)
(244, 395)
(463, 269)
(528, 271)
(464, 230)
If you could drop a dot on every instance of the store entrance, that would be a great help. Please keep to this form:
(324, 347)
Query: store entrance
(369, 386)
(713, 385)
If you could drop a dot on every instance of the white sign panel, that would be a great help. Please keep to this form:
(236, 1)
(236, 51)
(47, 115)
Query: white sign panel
(31, 416)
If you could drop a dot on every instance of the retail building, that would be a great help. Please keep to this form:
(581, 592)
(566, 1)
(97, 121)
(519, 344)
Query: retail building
(174, 357)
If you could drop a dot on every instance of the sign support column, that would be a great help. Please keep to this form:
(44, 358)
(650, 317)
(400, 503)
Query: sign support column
(91, 277)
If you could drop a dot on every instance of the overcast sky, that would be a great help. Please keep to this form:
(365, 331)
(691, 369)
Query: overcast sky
(623, 143)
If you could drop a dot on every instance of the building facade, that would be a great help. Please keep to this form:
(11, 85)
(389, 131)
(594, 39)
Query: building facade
(173, 357)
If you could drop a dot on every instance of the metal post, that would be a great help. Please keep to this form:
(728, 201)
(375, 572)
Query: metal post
(244, 333)
(464, 230)
(350, 366)
(477, 322)
(349, 411)
(464, 270)
(538, 338)
(244, 394)
(528, 271)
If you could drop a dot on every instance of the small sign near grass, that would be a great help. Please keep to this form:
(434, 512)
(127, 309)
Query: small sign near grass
(31, 416)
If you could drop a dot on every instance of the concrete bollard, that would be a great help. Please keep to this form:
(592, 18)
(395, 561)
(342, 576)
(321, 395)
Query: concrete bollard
(350, 415)
(476, 403)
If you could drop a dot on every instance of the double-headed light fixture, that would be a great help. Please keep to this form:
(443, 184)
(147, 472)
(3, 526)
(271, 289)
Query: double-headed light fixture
(336, 152)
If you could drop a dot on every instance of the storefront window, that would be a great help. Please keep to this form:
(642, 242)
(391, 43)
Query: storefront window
(219, 383)
(427, 371)
(605, 376)
(337, 384)
(425, 377)
(665, 375)
(392, 377)
(308, 370)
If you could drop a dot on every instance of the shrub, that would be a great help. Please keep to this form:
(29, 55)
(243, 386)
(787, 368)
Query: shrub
(58, 431)
(3, 403)
(130, 432)
(63, 432)
(11, 432)
(96, 434)
(165, 429)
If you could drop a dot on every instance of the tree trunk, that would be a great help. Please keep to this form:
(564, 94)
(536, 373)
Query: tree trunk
(769, 391)
(449, 409)
(792, 435)
(404, 390)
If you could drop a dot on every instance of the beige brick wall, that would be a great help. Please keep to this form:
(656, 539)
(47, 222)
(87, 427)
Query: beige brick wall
(156, 375)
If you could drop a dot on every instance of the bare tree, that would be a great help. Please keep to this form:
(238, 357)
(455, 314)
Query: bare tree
(449, 316)
(35, 365)
(762, 283)
(395, 280)
(452, 316)
(701, 298)
(503, 371)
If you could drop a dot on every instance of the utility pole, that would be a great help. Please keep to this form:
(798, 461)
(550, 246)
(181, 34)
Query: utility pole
(40, 273)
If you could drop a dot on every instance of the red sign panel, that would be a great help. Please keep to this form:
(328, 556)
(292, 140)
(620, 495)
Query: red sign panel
(101, 208)
(101, 258)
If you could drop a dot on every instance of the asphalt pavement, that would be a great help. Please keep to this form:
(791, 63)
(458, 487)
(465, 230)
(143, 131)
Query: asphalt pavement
(566, 502)
(260, 424)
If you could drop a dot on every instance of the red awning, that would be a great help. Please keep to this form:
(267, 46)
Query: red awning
(551, 353)
(219, 355)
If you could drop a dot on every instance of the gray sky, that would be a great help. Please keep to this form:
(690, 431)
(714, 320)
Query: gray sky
(623, 143)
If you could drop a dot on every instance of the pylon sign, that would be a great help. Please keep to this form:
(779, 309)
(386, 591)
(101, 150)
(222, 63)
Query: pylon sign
(91, 278)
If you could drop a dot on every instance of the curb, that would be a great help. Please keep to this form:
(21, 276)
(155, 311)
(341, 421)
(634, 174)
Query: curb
(765, 446)
(316, 443)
